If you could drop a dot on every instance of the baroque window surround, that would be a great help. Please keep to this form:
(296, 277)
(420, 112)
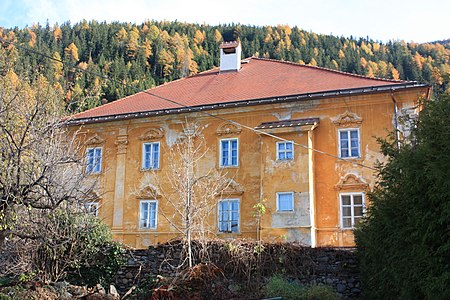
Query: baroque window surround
(346, 139)
(348, 122)
(350, 184)
(351, 207)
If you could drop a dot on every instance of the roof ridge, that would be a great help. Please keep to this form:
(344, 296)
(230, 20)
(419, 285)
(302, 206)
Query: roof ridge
(330, 70)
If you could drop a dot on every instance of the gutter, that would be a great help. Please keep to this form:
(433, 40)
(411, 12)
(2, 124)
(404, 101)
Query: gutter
(251, 102)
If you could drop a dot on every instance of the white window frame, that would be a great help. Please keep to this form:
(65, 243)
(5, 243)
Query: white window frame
(349, 143)
(285, 151)
(352, 208)
(151, 156)
(229, 216)
(148, 218)
(278, 201)
(94, 164)
(90, 205)
(229, 160)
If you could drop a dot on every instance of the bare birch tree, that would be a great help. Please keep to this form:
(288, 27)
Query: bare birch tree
(189, 189)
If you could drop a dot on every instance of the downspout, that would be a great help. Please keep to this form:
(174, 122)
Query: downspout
(397, 131)
(261, 192)
(311, 187)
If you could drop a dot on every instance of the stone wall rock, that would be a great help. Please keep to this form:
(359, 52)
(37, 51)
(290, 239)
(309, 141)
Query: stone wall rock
(335, 267)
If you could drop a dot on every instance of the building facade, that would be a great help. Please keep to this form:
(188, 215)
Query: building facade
(300, 140)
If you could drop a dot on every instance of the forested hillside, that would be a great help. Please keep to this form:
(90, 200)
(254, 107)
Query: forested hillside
(136, 57)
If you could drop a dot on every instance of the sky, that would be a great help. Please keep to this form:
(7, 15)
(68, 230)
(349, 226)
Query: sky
(382, 20)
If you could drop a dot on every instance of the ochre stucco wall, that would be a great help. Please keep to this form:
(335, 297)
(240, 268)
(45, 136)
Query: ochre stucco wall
(259, 175)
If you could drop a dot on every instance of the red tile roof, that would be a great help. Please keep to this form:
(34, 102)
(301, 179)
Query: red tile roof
(257, 79)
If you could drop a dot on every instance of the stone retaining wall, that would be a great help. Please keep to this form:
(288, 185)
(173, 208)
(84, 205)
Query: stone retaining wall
(334, 267)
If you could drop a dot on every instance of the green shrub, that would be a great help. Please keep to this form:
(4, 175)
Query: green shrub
(74, 246)
(279, 286)
(101, 268)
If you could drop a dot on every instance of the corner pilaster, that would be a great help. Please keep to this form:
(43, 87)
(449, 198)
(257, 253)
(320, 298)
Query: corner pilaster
(119, 192)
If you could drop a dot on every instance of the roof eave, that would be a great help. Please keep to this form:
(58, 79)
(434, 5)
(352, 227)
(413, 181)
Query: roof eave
(250, 102)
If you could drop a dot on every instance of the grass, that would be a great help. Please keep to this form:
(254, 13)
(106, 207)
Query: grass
(279, 286)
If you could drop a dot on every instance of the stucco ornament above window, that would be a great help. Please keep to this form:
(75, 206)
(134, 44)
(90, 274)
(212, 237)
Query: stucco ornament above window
(228, 129)
(147, 192)
(152, 134)
(347, 119)
(95, 140)
(231, 187)
(352, 182)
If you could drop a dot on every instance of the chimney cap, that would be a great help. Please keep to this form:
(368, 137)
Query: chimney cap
(231, 44)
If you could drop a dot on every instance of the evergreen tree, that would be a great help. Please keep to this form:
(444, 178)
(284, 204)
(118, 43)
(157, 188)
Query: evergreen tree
(404, 243)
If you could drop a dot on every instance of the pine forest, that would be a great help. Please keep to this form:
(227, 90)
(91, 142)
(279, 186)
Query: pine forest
(97, 62)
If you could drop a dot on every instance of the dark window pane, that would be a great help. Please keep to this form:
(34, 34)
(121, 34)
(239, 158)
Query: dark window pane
(346, 211)
(357, 199)
(345, 199)
(347, 223)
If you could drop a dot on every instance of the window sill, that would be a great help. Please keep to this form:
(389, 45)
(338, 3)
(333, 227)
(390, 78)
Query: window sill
(228, 233)
(346, 229)
(228, 167)
(94, 174)
(352, 158)
(149, 170)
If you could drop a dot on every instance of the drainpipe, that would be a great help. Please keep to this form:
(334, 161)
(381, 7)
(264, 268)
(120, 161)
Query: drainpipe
(397, 131)
(261, 191)
(312, 201)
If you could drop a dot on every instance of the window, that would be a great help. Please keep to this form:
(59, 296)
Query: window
(147, 214)
(285, 150)
(349, 143)
(150, 156)
(94, 160)
(352, 209)
(285, 201)
(229, 215)
(92, 208)
(229, 153)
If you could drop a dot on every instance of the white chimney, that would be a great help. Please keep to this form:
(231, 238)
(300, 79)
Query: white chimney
(230, 56)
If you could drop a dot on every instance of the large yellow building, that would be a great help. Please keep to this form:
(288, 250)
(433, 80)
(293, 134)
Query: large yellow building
(299, 139)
